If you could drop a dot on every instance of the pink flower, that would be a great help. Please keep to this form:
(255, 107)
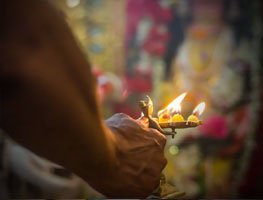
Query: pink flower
(215, 127)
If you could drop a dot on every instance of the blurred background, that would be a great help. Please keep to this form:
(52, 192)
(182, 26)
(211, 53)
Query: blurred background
(161, 48)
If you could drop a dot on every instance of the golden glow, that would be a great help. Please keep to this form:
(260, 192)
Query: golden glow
(199, 109)
(192, 118)
(177, 118)
(174, 106)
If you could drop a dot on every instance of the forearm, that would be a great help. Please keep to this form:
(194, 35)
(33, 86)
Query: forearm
(58, 124)
(48, 99)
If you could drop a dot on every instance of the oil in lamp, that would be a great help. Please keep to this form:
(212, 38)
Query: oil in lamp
(174, 107)
(199, 109)
(164, 116)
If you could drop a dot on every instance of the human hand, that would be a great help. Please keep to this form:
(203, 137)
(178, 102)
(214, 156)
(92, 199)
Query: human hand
(139, 151)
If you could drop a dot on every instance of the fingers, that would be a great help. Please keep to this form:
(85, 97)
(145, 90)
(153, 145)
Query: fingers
(144, 121)
(131, 127)
(155, 171)
(164, 163)
(161, 138)
(122, 121)
(153, 132)
(161, 160)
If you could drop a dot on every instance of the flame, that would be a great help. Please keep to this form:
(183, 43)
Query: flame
(199, 109)
(174, 106)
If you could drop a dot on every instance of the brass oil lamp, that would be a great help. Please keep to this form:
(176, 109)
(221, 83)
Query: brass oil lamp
(168, 120)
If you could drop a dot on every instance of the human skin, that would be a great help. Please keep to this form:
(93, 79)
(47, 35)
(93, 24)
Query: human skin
(48, 105)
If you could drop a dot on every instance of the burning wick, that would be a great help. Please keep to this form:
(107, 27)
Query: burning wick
(165, 117)
(192, 118)
(178, 118)
(177, 108)
(174, 107)
(199, 109)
